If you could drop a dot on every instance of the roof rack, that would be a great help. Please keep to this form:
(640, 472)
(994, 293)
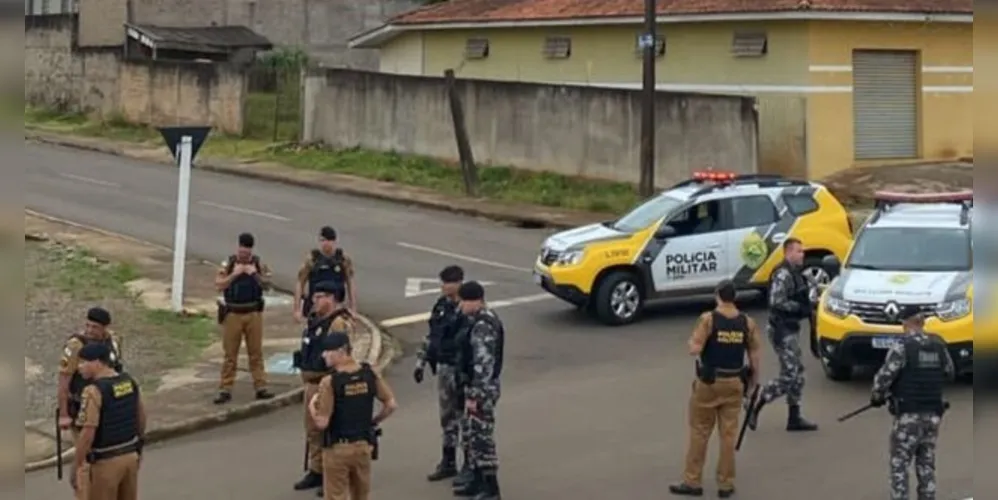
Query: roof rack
(884, 201)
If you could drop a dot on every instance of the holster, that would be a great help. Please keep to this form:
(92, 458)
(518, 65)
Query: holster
(746, 377)
(706, 374)
(373, 438)
(296, 359)
(221, 312)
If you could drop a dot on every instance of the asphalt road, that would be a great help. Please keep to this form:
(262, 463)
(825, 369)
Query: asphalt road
(588, 412)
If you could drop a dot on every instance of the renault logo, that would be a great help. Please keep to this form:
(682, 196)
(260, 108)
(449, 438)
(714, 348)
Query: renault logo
(892, 310)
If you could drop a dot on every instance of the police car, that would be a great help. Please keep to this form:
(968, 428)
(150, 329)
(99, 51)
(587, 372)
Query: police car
(688, 238)
(913, 250)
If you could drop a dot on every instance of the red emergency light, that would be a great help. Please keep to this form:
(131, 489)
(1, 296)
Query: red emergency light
(889, 197)
(713, 176)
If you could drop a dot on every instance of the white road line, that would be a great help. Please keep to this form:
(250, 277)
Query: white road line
(90, 180)
(499, 304)
(467, 258)
(244, 211)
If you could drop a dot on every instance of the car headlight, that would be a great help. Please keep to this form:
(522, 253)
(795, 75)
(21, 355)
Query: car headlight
(954, 309)
(570, 257)
(837, 307)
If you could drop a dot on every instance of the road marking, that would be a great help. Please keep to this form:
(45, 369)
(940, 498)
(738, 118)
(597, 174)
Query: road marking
(244, 211)
(499, 304)
(90, 180)
(414, 286)
(467, 258)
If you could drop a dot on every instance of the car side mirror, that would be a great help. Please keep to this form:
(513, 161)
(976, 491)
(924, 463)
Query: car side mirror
(832, 265)
(665, 232)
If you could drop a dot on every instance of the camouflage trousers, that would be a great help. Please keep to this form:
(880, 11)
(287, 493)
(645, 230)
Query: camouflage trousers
(913, 438)
(481, 437)
(451, 405)
(790, 382)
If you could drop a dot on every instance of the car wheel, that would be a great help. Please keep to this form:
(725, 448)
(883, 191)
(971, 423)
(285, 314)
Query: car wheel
(836, 371)
(814, 271)
(618, 298)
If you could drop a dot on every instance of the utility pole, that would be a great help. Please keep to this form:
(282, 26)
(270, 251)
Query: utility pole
(648, 43)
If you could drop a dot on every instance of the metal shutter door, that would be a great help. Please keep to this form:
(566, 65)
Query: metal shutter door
(885, 104)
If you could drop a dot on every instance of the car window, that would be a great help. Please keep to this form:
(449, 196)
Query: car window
(701, 218)
(647, 213)
(800, 204)
(750, 211)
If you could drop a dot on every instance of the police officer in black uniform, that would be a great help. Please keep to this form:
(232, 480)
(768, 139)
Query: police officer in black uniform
(328, 263)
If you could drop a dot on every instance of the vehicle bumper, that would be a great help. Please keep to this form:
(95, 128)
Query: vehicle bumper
(567, 291)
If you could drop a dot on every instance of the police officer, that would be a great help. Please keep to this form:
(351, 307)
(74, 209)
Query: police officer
(326, 263)
(911, 381)
(439, 351)
(342, 409)
(71, 381)
(789, 303)
(721, 341)
(112, 422)
(327, 317)
(242, 279)
(480, 362)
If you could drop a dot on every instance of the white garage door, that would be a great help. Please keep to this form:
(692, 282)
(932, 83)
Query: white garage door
(885, 104)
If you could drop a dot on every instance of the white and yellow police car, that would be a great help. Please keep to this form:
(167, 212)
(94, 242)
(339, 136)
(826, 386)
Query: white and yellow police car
(913, 250)
(688, 238)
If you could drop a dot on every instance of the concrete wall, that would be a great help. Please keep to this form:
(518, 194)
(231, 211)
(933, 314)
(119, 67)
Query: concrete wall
(571, 130)
(58, 74)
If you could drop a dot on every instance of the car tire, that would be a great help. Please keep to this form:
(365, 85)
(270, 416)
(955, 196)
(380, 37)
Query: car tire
(836, 371)
(813, 262)
(613, 288)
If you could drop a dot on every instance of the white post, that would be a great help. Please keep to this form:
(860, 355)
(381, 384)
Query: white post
(180, 236)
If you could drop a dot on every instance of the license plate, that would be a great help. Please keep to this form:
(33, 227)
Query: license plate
(883, 342)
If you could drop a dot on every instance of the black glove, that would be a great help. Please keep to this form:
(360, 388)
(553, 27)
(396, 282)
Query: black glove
(417, 375)
(877, 401)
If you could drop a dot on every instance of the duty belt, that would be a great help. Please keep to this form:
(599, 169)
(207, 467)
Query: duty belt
(243, 308)
(722, 373)
(133, 445)
(348, 440)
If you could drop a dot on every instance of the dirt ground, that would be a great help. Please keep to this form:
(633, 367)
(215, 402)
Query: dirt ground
(856, 186)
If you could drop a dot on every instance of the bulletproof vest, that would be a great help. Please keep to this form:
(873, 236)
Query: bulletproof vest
(467, 355)
(444, 325)
(327, 268)
(919, 386)
(244, 290)
(725, 348)
(353, 409)
(119, 422)
(311, 341)
(801, 292)
(77, 382)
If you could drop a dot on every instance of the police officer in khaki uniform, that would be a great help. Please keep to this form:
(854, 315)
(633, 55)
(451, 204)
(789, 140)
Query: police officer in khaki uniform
(71, 382)
(720, 342)
(112, 422)
(327, 263)
(328, 316)
(242, 279)
(342, 409)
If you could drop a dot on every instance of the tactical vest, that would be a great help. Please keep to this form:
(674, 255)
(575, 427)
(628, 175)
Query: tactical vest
(919, 386)
(444, 325)
(118, 431)
(245, 292)
(801, 294)
(353, 410)
(467, 354)
(725, 348)
(77, 382)
(311, 341)
(327, 268)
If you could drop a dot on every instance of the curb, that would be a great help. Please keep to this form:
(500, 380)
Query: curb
(216, 419)
(462, 207)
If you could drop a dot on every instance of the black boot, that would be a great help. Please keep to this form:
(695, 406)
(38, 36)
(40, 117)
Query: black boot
(447, 468)
(472, 488)
(685, 490)
(311, 480)
(490, 487)
(797, 423)
(223, 398)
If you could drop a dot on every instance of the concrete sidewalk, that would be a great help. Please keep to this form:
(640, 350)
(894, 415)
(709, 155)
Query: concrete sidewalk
(181, 402)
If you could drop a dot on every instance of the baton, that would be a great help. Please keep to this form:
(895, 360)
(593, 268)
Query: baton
(856, 412)
(58, 446)
(748, 416)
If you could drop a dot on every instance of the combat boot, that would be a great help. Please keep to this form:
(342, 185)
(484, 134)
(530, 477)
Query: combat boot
(490, 487)
(310, 481)
(447, 468)
(472, 488)
(797, 423)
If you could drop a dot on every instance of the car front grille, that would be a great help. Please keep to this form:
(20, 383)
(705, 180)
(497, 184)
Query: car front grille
(874, 314)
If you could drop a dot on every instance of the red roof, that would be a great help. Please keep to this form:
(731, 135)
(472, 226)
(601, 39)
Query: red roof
(469, 11)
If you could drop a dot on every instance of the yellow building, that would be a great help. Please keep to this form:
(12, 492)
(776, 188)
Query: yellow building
(885, 84)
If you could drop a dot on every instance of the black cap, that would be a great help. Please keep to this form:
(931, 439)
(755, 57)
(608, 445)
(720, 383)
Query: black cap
(327, 233)
(99, 315)
(909, 312)
(471, 290)
(452, 274)
(95, 351)
(246, 240)
(335, 340)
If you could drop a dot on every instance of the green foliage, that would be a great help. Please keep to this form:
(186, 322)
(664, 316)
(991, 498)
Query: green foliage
(285, 59)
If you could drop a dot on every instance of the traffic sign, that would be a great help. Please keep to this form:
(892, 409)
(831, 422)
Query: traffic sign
(173, 135)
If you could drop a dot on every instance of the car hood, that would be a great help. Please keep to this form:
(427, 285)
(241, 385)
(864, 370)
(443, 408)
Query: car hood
(861, 285)
(582, 236)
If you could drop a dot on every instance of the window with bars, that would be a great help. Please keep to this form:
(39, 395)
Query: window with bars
(659, 45)
(476, 48)
(749, 44)
(557, 47)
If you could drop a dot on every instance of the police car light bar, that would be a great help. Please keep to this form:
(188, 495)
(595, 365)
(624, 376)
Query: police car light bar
(883, 198)
(712, 176)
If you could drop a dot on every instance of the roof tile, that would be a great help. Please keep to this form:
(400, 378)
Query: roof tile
(536, 10)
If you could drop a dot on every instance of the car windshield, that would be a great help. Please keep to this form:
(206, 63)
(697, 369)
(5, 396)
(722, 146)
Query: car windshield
(647, 213)
(912, 249)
